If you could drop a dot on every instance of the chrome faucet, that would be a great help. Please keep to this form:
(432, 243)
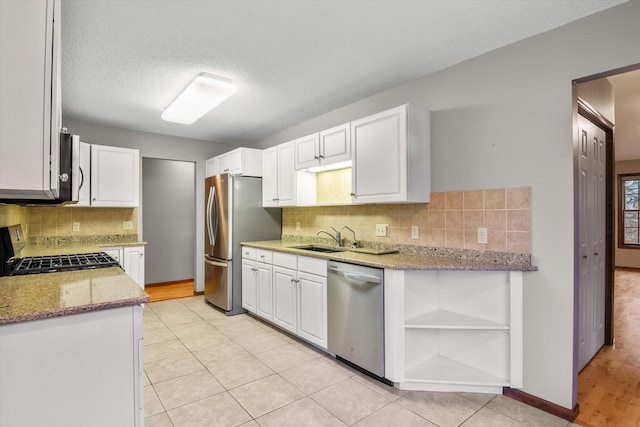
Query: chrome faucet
(337, 237)
(355, 242)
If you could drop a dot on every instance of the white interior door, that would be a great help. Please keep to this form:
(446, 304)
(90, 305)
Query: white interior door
(592, 169)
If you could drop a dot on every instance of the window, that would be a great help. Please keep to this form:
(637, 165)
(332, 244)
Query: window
(629, 218)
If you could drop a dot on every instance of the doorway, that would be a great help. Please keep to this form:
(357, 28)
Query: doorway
(625, 149)
(168, 219)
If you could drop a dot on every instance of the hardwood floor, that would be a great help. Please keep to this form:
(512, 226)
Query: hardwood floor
(173, 290)
(609, 386)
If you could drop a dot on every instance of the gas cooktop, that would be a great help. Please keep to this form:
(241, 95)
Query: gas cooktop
(54, 263)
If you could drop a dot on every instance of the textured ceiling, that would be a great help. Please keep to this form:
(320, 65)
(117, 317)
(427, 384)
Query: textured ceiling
(125, 61)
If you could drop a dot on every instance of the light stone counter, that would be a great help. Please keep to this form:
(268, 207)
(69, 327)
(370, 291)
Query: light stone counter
(41, 296)
(68, 248)
(412, 258)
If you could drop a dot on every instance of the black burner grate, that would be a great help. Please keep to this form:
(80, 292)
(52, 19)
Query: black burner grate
(49, 264)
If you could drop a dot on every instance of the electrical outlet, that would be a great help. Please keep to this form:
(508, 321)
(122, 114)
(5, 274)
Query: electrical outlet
(298, 226)
(483, 235)
(382, 230)
(127, 225)
(415, 232)
(76, 226)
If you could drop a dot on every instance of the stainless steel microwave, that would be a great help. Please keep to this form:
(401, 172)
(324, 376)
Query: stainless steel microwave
(69, 175)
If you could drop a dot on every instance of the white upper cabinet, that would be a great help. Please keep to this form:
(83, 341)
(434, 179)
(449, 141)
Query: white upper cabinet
(324, 148)
(241, 161)
(281, 184)
(391, 157)
(84, 196)
(30, 108)
(115, 176)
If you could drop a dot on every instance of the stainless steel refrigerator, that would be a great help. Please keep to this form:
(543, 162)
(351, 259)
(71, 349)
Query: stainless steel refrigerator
(233, 214)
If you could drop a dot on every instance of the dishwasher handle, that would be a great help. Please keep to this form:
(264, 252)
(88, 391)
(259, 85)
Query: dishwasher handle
(355, 276)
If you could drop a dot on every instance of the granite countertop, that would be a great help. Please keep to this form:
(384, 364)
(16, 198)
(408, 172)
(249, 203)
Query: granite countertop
(423, 259)
(41, 296)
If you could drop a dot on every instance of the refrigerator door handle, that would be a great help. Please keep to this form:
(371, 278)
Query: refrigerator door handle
(210, 229)
(216, 263)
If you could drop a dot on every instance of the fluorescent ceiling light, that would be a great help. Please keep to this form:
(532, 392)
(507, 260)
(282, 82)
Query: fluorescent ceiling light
(203, 93)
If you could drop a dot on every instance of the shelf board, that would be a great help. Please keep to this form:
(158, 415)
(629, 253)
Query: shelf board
(444, 319)
(443, 370)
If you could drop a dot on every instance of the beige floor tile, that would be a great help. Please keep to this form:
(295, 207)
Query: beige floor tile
(315, 375)
(152, 405)
(219, 410)
(204, 340)
(251, 423)
(187, 388)
(528, 414)
(179, 317)
(442, 409)
(285, 357)
(387, 391)
(481, 398)
(214, 357)
(241, 371)
(486, 417)
(244, 330)
(145, 379)
(194, 328)
(151, 322)
(265, 395)
(350, 400)
(158, 335)
(164, 350)
(160, 420)
(394, 415)
(173, 367)
(261, 342)
(224, 320)
(303, 412)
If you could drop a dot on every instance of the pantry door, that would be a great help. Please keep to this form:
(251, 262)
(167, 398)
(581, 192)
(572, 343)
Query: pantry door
(592, 225)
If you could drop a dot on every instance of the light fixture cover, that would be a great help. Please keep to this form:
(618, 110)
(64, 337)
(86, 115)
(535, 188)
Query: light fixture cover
(203, 93)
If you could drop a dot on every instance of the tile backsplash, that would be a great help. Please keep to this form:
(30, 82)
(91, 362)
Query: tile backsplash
(450, 220)
(58, 221)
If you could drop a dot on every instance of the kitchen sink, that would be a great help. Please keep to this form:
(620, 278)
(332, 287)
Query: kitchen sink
(324, 249)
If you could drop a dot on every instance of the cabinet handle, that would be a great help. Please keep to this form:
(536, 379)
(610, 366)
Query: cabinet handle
(353, 195)
(321, 156)
(595, 253)
(316, 158)
(261, 256)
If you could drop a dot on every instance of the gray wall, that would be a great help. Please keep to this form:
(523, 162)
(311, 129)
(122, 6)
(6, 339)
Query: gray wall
(160, 147)
(626, 257)
(506, 119)
(169, 219)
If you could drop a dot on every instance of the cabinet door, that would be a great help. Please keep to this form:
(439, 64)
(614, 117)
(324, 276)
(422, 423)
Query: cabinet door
(115, 176)
(284, 298)
(115, 253)
(222, 164)
(335, 144)
(264, 290)
(234, 162)
(306, 152)
(210, 167)
(249, 283)
(270, 177)
(30, 103)
(379, 151)
(286, 175)
(133, 263)
(312, 308)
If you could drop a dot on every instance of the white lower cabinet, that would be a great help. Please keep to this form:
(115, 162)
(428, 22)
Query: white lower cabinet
(454, 330)
(257, 288)
(83, 369)
(131, 259)
(288, 290)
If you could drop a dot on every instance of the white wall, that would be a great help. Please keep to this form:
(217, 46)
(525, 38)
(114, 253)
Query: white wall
(625, 257)
(161, 147)
(505, 119)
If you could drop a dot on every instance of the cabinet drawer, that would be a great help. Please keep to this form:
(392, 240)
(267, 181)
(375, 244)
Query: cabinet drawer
(285, 260)
(264, 256)
(312, 265)
(249, 253)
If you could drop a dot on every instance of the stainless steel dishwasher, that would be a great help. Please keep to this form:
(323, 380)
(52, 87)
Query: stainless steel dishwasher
(355, 308)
